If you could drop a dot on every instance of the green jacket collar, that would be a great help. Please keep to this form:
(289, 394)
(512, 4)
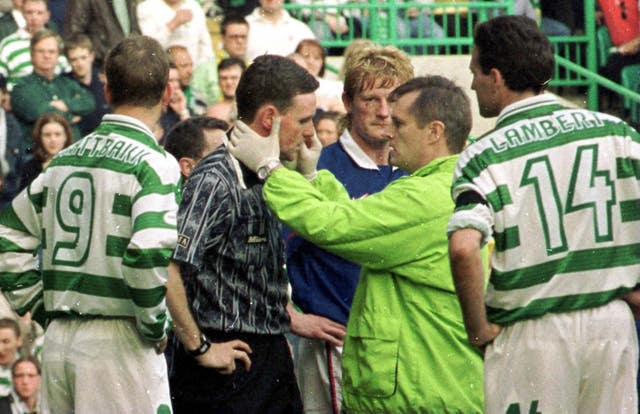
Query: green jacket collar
(443, 163)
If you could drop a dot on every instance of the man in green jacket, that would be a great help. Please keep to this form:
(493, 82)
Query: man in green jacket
(406, 348)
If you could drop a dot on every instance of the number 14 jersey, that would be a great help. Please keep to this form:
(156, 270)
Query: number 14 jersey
(558, 190)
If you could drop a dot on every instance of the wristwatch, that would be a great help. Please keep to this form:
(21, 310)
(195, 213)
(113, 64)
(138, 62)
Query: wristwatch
(266, 170)
(205, 344)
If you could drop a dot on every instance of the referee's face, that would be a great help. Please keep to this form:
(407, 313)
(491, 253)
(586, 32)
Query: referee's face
(296, 126)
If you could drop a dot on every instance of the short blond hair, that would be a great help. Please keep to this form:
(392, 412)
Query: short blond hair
(384, 66)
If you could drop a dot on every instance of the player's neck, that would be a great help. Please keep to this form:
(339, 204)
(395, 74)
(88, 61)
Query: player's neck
(148, 116)
(510, 97)
(378, 151)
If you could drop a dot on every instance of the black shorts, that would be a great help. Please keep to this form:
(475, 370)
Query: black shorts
(269, 387)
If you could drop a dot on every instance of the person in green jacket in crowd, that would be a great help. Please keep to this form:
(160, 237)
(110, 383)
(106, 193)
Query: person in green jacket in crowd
(406, 348)
(43, 91)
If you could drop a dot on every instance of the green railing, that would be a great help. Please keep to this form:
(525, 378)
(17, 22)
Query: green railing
(389, 23)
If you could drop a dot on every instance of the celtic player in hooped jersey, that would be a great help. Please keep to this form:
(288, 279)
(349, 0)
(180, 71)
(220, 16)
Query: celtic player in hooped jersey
(104, 212)
(557, 189)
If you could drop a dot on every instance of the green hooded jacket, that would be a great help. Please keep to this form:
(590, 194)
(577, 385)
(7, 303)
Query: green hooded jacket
(406, 348)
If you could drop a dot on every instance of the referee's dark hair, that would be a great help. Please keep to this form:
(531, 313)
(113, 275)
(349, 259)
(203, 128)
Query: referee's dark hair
(271, 79)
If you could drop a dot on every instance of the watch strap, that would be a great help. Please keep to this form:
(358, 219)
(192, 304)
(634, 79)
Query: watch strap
(205, 344)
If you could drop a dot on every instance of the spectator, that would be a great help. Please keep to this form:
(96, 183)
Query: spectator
(58, 10)
(237, 7)
(12, 20)
(331, 23)
(44, 91)
(272, 30)
(25, 396)
(175, 109)
(235, 31)
(330, 91)
(404, 323)
(181, 58)
(299, 59)
(51, 134)
(416, 22)
(15, 57)
(555, 203)
(626, 54)
(10, 342)
(80, 54)
(224, 110)
(105, 22)
(229, 72)
(13, 151)
(177, 22)
(327, 128)
(323, 283)
(120, 190)
(191, 140)
(560, 17)
(231, 254)
(224, 86)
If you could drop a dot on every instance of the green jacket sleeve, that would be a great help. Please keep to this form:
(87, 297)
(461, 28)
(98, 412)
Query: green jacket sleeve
(376, 231)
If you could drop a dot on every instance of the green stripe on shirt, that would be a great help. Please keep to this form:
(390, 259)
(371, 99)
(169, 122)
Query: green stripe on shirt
(578, 261)
(147, 258)
(558, 304)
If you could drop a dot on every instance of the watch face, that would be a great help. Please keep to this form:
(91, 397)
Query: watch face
(262, 173)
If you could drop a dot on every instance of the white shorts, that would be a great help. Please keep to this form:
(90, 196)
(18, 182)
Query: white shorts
(578, 362)
(319, 373)
(96, 366)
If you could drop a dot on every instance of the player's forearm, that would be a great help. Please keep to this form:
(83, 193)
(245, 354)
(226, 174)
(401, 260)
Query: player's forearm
(468, 278)
(184, 325)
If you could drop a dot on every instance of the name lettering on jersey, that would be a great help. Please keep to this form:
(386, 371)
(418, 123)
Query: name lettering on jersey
(97, 146)
(183, 241)
(542, 129)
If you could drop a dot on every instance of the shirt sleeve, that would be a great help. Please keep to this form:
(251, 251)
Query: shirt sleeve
(20, 232)
(471, 207)
(153, 239)
(201, 218)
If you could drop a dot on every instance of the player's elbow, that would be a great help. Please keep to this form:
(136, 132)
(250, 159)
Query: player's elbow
(463, 244)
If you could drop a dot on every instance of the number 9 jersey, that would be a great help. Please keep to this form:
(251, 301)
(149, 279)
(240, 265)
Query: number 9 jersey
(105, 211)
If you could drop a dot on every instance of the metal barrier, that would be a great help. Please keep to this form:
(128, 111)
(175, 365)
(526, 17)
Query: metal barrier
(446, 28)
